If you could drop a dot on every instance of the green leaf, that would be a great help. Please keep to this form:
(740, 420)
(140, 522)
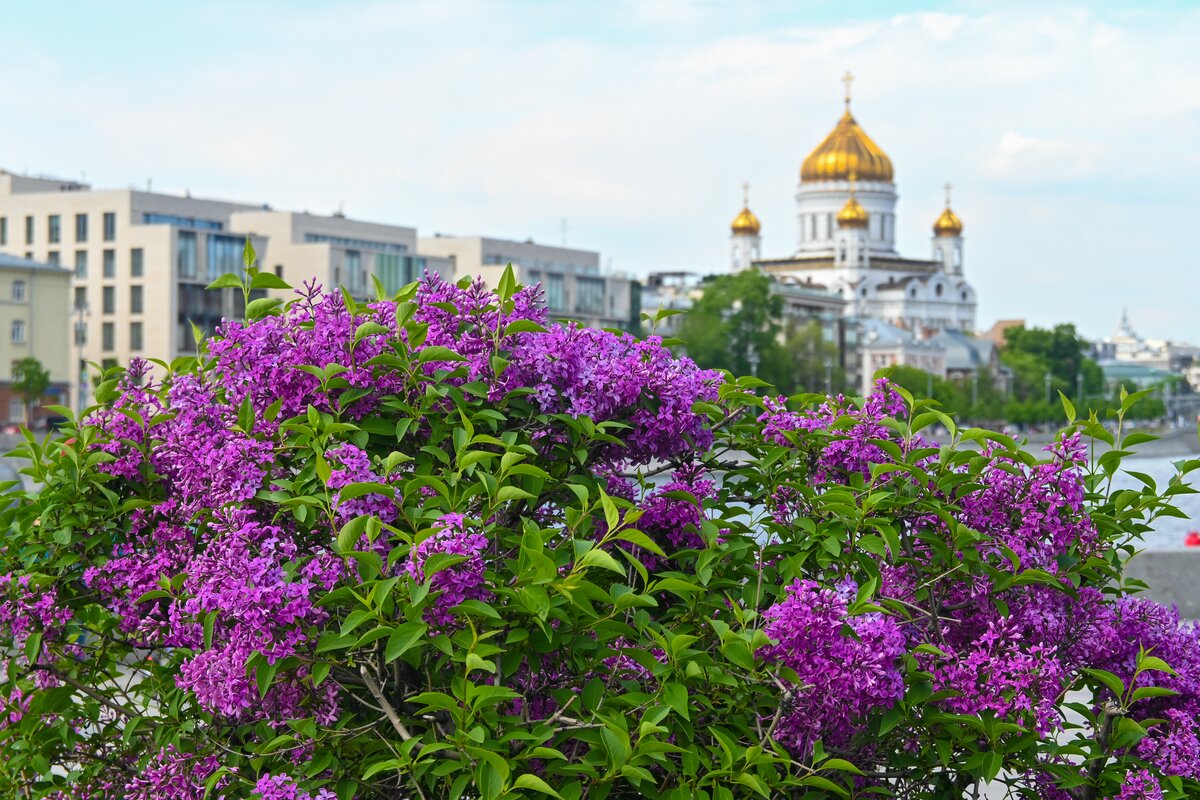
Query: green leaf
(248, 254)
(403, 638)
(1154, 664)
(269, 280)
(600, 558)
(259, 308)
(437, 353)
(227, 281)
(536, 784)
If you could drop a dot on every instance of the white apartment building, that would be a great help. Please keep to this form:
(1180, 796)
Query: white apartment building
(141, 260)
(572, 281)
(34, 298)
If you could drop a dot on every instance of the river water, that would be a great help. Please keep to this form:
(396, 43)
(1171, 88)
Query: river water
(1169, 532)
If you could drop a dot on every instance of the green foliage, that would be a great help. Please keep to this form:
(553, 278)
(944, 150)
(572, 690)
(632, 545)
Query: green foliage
(30, 381)
(736, 320)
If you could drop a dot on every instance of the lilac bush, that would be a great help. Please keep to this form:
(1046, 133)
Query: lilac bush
(435, 546)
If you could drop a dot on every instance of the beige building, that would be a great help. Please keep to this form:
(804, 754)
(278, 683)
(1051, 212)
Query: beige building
(141, 260)
(34, 298)
(572, 281)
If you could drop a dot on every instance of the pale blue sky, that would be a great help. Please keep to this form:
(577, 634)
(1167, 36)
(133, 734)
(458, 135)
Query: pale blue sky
(1071, 131)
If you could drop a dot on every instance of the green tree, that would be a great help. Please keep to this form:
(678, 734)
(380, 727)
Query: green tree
(1033, 352)
(737, 325)
(812, 360)
(30, 381)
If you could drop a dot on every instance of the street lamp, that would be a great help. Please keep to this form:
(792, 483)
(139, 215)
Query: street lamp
(1079, 388)
(1047, 387)
(974, 390)
(753, 357)
(828, 376)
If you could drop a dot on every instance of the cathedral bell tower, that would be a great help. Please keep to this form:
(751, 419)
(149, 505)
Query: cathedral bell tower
(948, 240)
(851, 246)
(745, 241)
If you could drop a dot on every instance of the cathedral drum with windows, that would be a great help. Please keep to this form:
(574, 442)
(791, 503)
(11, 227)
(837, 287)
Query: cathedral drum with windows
(845, 205)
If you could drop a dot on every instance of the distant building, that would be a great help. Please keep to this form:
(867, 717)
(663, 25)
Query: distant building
(34, 297)
(671, 291)
(141, 260)
(574, 286)
(845, 207)
(1125, 346)
(883, 345)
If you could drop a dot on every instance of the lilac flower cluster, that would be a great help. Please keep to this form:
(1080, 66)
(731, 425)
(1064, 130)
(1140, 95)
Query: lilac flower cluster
(352, 464)
(842, 677)
(26, 609)
(283, 787)
(1140, 785)
(458, 582)
(179, 776)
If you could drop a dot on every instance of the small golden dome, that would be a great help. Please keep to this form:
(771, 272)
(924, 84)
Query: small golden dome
(852, 215)
(847, 151)
(948, 224)
(745, 223)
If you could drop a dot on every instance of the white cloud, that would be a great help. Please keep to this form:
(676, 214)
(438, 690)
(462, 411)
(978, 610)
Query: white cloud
(1030, 160)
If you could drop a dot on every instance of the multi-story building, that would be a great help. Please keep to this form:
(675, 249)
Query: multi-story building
(34, 297)
(141, 260)
(574, 286)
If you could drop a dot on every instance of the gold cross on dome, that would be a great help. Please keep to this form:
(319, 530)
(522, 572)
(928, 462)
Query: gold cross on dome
(746, 194)
(847, 79)
(949, 186)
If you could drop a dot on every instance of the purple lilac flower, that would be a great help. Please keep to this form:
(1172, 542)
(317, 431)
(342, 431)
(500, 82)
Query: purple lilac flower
(842, 677)
(283, 787)
(462, 581)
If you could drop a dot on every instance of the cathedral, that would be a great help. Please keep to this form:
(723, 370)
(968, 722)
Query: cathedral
(846, 241)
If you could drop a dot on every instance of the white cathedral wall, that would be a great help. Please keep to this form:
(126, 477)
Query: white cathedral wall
(818, 203)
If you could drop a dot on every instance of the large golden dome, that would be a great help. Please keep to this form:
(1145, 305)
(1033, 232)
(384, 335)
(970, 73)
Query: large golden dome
(852, 215)
(847, 151)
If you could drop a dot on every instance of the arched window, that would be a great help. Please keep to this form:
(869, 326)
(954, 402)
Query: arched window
(939, 255)
(964, 295)
(939, 290)
(912, 292)
(864, 291)
(841, 252)
(958, 256)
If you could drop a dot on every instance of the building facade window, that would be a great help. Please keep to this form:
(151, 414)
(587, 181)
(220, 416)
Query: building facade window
(136, 262)
(29, 230)
(589, 295)
(185, 254)
(16, 409)
(135, 299)
(109, 300)
(3, 230)
(18, 291)
(224, 255)
(81, 227)
(108, 337)
(18, 331)
(81, 297)
(556, 292)
(135, 336)
(110, 226)
(355, 279)
(52, 257)
(55, 224)
(110, 263)
(81, 263)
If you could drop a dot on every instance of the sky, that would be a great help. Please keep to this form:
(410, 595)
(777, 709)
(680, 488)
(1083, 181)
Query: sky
(1071, 132)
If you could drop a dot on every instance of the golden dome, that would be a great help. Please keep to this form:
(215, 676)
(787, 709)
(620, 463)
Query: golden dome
(852, 215)
(745, 223)
(847, 151)
(948, 224)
